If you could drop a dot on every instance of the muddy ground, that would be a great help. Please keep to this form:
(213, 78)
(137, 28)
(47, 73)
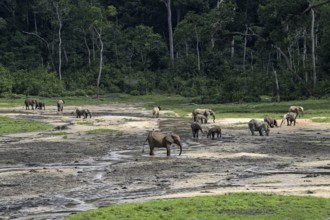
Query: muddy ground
(46, 176)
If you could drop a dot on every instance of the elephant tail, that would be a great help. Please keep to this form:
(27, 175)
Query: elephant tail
(144, 144)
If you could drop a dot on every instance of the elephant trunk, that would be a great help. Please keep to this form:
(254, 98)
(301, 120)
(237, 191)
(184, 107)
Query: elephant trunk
(180, 148)
(213, 117)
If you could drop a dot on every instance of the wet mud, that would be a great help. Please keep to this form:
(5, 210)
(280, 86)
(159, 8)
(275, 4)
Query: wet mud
(48, 176)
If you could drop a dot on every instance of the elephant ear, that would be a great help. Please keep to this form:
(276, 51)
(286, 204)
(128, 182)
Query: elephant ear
(169, 138)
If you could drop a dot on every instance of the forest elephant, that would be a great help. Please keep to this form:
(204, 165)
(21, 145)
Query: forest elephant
(29, 102)
(195, 128)
(216, 130)
(299, 110)
(157, 139)
(155, 111)
(258, 125)
(40, 104)
(83, 112)
(202, 118)
(205, 112)
(271, 122)
(60, 104)
(289, 117)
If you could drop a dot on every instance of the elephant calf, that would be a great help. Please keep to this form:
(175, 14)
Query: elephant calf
(289, 117)
(271, 122)
(257, 125)
(40, 104)
(155, 111)
(60, 104)
(195, 128)
(83, 112)
(202, 118)
(214, 130)
(157, 139)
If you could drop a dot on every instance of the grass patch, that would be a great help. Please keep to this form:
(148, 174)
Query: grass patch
(9, 125)
(85, 122)
(321, 120)
(100, 131)
(55, 133)
(250, 206)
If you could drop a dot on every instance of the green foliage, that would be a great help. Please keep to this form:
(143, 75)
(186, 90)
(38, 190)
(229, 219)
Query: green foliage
(9, 125)
(230, 206)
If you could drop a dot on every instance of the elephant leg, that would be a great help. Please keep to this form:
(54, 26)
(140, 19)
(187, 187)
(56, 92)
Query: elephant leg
(168, 149)
(151, 151)
(260, 132)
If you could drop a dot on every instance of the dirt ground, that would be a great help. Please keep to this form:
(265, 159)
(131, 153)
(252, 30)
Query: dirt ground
(47, 176)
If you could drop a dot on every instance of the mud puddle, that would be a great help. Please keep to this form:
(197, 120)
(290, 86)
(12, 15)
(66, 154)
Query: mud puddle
(52, 177)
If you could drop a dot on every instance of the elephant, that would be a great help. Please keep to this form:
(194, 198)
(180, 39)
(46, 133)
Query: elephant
(160, 140)
(202, 118)
(271, 122)
(205, 112)
(83, 112)
(29, 102)
(297, 110)
(40, 104)
(155, 111)
(258, 125)
(214, 130)
(289, 117)
(195, 128)
(60, 104)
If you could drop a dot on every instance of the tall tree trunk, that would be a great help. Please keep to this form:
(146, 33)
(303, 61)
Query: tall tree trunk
(59, 41)
(245, 43)
(99, 33)
(88, 50)
(278, 98)
(232, 53)
(305, 55)
(170, 30)
(197, 50)
(313, 48)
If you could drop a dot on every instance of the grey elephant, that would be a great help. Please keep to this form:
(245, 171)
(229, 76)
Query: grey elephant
(83, 112)
(155, 111)
(157, 139)
(299, 110)
(258, 125)
(29, 102)
(202, 118)
(205, 112)
(60, 104)
(195, 128)
(271, 122)
(289, 117)
(40, 104)
(216, 130)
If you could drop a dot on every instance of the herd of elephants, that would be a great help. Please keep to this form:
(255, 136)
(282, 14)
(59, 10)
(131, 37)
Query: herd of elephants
(158, 139)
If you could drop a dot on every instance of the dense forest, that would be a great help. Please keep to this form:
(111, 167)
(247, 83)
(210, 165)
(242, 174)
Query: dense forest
(217, 51)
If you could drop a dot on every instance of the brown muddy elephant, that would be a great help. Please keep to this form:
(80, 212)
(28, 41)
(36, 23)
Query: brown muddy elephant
(157, 139)
(260, 126)
(60, 104)
(40, 104)
(80, 111)
(29, 102)
(155, 111)
(216, 130)
(299, 110)
(195, 128)
(289, 117)
(271, 122)
(205, 112)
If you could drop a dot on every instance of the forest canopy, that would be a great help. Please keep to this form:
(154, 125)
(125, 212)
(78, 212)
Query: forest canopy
(215, 50)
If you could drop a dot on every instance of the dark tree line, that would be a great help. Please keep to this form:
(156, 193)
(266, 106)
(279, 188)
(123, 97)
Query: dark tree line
(214, 50)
